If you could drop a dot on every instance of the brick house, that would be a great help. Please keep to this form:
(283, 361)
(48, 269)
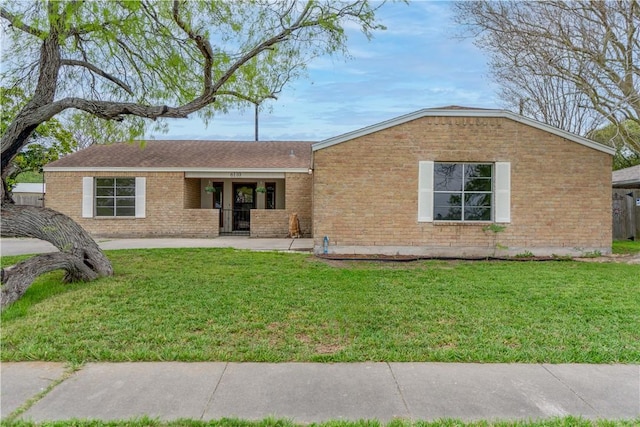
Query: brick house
(184, 188)
(461, 182)
(437, 182)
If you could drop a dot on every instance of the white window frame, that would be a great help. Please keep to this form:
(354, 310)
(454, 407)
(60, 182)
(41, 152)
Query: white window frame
(89, 198)
(501, 194)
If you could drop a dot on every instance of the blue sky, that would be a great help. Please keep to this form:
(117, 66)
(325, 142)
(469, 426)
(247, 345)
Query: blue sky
(417, 62)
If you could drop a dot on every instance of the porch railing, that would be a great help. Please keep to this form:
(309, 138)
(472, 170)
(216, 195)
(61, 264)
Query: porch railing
(235, 221)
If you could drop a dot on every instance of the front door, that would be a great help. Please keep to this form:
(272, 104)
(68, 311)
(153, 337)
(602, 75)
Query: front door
(244, 199)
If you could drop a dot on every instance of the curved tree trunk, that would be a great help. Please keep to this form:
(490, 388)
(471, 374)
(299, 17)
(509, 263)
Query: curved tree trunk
(80, 256)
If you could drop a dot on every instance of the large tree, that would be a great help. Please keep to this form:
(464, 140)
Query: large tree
(572, 64)
(132, 63)
(47, 143)
(615, 136)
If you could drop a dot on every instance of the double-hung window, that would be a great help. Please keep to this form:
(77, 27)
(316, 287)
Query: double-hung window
(113, 197)
(464, 191)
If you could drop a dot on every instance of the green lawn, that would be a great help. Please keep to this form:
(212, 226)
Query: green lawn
(145, 422)
(228, 305)
(626, 247)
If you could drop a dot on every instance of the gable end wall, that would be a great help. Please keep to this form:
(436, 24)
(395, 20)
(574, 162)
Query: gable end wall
(365, 191)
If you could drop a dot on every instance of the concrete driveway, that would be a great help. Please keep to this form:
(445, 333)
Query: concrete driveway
(20, 246)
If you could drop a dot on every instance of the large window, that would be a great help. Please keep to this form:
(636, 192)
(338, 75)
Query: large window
(460, 191)
(463, 191)
(115, 196)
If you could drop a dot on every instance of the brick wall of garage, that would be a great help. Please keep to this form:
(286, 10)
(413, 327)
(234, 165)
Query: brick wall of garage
(169, 198)
(365, 190)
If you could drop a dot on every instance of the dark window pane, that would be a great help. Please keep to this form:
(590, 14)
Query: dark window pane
(447, 213)
(104, 202)
(477, 199)
(478, 184)
(104, 182)
(447, 177)
(125, 201)
(125, 211)
(104, 211)
(473, 170)
(477, 214)
(126, 182)
(447, 199)
(126, 191)
(104, 191)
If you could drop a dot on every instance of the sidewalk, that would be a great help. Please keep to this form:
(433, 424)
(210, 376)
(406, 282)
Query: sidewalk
(316, 392)
(20, 246)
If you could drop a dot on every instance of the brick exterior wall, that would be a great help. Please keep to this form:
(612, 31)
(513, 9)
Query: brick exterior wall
(298, 199)
(269, 223)
(167, 195)
(192, 193)
(365, 191)
(275, 222)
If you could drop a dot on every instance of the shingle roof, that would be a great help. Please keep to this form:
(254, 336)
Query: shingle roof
(191, 154)
(628, 177)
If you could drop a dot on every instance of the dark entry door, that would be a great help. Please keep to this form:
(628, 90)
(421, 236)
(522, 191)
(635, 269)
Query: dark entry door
(244, 199)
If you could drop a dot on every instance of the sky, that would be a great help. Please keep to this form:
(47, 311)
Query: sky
(417, 62)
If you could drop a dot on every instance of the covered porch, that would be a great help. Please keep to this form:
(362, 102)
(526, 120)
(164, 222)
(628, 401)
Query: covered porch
(252, 204)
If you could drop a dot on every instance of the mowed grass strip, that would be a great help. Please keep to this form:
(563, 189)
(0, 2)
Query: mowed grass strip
(229, 305)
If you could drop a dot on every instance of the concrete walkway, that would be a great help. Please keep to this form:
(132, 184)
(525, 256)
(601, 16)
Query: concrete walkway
(20, 246)
(316, 392)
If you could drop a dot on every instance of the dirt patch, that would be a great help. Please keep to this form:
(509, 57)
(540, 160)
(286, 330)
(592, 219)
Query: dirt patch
(343, 260)
(613, 258)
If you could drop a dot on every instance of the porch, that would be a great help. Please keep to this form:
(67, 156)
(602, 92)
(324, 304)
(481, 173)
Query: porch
(250, 203)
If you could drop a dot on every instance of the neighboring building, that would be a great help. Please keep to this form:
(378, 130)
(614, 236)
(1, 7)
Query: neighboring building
(29, 194)
(626, 178)
(437, 182)
(160, 188)
(433, 182)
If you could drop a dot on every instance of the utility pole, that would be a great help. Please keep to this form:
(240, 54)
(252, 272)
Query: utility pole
(256, 116)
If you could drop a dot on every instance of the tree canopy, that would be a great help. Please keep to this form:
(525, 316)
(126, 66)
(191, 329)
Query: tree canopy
(136, 60)
(572, 64)
(611, 135)
(113, 67)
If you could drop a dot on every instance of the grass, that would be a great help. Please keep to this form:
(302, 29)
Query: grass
(270, 422)
(626, 247)
(228, 305)
(30, 177)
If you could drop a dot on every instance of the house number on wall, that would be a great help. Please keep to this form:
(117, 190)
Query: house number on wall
(235, 174)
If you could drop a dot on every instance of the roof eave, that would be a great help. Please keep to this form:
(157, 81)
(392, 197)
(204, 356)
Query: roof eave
(628, 183)
(172, 169)
(461, 113)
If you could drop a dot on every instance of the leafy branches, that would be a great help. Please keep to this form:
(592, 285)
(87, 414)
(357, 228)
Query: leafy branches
(153, 59)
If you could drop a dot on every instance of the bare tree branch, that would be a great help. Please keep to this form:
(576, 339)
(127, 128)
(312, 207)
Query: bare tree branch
(96, 70)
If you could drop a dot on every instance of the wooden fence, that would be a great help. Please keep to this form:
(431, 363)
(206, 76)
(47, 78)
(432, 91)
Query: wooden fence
(626, 214)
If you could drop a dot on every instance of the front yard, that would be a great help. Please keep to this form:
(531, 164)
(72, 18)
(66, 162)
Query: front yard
(228, 305)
